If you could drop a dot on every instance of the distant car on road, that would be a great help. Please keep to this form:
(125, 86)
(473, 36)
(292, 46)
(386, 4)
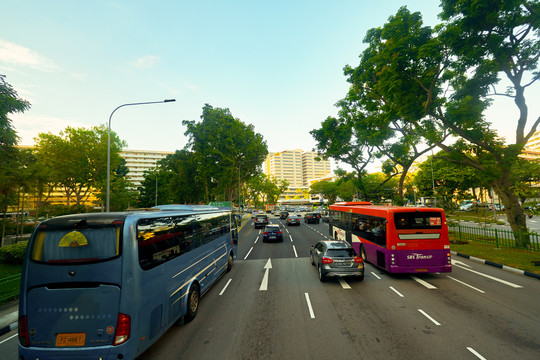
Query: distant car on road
(261, 220)
(283, 215)
(336, 259)
(272, 233)
(293, 219)
(311, 218)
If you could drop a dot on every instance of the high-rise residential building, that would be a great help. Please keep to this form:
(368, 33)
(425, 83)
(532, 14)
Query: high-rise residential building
(297, 167)
(531, 151)
(138, 161)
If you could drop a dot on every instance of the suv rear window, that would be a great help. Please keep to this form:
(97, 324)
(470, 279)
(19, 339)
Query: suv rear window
(271, 228)
(76, 245)
(340, 253)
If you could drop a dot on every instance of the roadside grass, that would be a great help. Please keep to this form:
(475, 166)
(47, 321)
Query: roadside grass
(480, 218)
(9, 282)
(517, 258)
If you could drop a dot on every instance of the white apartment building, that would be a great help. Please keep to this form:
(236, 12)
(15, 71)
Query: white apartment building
(297, 167)
(139, 161)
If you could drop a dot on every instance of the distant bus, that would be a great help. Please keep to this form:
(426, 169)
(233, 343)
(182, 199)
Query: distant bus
(108, 285)
(397, 239)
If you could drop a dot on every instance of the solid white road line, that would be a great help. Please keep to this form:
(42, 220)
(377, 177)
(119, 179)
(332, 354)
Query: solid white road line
(311, 313)
(225, 287)
(397, 292)
(461, 282)
(344, 284)
(9, 338)
(492, 277)
(429, 317)
(256, 240)
(425, 283)
(476, 353)
(249, 252)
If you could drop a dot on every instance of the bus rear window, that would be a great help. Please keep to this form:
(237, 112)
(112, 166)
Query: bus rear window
(76, 246)
(418, 220)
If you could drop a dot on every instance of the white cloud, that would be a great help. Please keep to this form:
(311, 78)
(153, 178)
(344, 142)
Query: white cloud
(12, 53)
(29, 126)
(168, 88)
(147, 62)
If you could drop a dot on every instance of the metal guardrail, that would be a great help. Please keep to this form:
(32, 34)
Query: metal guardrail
(9, 287)
(497, 237)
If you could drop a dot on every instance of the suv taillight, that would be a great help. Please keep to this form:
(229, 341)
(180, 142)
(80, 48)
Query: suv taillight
(358, 260)
(326, 260)
(123, 329)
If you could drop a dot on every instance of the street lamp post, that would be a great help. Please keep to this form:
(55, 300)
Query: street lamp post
(107, 207)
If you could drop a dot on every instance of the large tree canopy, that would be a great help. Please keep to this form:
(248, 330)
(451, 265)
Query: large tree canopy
(439, 82)
(226, 151)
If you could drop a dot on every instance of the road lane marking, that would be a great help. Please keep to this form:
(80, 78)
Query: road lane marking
(476, 353)
(256, 240)
(461, 282)
(225, 287)
(249, 252)
(9, 338)
(264, 283)
(397, 292)
(344, 284)
(291, 238)
(492, 278)
(455, 262)
(294, 248)
(377, 276)
(311, 313)
(425, 283)
(429, 317)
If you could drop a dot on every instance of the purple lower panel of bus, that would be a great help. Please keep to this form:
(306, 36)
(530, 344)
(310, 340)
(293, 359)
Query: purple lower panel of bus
(408, 261)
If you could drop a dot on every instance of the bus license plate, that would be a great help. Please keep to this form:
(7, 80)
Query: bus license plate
(421, 270)
(74, 339)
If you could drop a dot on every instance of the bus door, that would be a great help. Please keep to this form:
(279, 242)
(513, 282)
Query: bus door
(71, 287)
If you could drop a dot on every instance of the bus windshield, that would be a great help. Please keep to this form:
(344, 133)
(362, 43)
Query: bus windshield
(76, 245)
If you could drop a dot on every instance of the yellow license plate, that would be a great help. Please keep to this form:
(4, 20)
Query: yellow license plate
(74, 339)
(421, 270)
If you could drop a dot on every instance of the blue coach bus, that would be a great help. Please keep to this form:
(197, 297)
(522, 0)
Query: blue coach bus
(108, 285)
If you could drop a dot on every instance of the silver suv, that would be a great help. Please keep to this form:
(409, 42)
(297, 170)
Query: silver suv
(336, 258)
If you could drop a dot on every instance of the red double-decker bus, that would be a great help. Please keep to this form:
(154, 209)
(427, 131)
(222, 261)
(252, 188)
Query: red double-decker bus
(395, 238)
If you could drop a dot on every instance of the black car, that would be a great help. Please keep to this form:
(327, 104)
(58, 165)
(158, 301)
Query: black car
(311, 218)
(261, 220)
(272, 233)
(283, 215)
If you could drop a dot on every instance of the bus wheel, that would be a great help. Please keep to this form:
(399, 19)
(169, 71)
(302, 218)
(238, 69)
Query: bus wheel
(193, 302)
(229, 263)
(363, 253)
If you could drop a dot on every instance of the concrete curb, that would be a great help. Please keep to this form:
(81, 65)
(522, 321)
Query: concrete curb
(8, 322)
(500, 266)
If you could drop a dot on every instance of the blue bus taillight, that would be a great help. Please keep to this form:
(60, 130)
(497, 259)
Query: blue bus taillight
(123, 329)
(24, 340)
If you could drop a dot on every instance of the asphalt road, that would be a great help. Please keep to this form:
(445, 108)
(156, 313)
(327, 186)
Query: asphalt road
(475, 312)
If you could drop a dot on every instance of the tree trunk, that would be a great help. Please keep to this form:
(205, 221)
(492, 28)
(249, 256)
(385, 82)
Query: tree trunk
(514, 211)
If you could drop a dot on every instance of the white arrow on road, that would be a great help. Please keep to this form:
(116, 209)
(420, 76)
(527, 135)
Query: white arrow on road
(264, 283)
(455, 262)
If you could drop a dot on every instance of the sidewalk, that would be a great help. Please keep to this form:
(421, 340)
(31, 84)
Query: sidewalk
(9, 314)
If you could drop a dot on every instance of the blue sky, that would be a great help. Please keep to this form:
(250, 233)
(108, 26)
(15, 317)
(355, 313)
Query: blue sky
(274, 64)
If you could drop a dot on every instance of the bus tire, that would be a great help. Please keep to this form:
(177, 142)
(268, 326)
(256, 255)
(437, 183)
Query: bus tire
(192, 302)
(363, 253)
(230, 262)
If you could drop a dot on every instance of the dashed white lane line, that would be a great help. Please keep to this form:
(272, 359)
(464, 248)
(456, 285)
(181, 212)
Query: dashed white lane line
(425, 283)
(429, 317)
(476, 353)
(397, 292)
(463, 283)
(225, 287)
(311, 313)
(344, 284)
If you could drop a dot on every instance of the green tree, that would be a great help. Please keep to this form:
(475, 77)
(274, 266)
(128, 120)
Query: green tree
(226, 151)
(410, 67)
(77, 159)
